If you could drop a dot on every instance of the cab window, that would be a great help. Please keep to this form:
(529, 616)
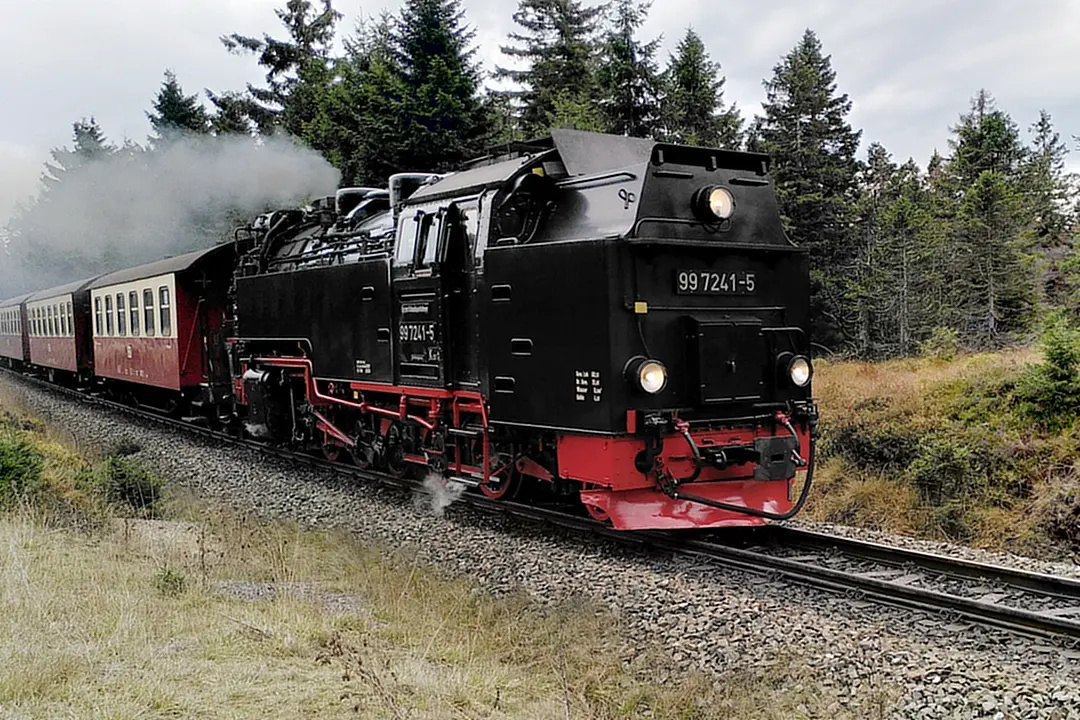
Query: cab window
(405, 251)
(428, 238)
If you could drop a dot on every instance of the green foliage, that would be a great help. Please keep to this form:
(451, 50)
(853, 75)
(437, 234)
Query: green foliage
(805, 130)
(170, 582)
(557, 39)
(21, 465)
(126, 483)
(1049, 393)
(942, 344)
(627, 74)
(693, 110)
(176, 114)
(297, 67)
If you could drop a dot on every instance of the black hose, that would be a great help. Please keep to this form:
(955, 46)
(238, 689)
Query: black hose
(763, 513)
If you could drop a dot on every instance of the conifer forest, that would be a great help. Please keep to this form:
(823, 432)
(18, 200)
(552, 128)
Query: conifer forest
(971, 249)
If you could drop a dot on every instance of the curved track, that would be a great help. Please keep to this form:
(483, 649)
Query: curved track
(954, 589)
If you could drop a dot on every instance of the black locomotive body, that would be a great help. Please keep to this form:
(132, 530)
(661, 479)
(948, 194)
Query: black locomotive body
(607, 317)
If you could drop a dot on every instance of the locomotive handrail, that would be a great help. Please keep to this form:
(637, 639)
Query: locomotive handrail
(595, 179)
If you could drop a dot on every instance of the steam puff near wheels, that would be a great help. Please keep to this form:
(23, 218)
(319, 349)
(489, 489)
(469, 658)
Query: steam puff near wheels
(597, 320)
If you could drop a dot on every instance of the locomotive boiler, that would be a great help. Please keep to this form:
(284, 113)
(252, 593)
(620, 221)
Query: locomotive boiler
(611, 320)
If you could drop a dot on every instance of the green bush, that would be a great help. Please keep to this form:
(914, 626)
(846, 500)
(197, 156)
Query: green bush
(942, 344)
(1048, 394)
(125, 482)
(20, 469)
(871, 442)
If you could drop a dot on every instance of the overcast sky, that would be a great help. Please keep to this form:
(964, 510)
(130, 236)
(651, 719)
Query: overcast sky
(910, 68)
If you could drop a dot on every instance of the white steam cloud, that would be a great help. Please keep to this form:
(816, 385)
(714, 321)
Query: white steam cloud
(437, 493)
(139, 206)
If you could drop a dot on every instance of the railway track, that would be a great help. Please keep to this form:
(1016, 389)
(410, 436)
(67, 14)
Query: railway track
(957, 591)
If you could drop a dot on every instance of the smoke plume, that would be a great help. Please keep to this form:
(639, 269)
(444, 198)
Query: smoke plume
(136, 206)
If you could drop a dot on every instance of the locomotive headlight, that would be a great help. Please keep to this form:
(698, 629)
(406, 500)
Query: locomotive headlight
(649, 375)
(652, 376)
(714, 203)
(799, 371)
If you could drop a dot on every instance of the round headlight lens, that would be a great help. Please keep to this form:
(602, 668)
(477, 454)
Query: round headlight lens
(721, 203)
(799, 370)
(652, 376)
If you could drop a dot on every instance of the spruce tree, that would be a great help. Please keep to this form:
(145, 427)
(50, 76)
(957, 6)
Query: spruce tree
(889, 289)
(176, 114)
(298, 68)
(996, 294)
(1047, 186)
(805, 130)
(359, 128)
(558, 42)
(89, 145)
(627, 77)
(232, 114)
(445, 120)
(985, 140)
(693, 107)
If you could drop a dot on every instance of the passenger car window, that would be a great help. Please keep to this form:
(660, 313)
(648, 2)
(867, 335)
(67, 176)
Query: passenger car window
(121, 316)
(133, 302)
(97, 315)
(108, 315)
(163, 308)
(148, 312)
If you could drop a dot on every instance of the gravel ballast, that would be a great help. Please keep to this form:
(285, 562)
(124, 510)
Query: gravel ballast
(857, 655)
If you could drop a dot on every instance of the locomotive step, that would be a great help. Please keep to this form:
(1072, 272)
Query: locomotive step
(464, 432)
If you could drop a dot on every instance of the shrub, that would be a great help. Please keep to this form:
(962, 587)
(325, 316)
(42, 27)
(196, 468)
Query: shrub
(127, 483)
(943, 344)
(20, 469)
(170, 582)
(1048, 393)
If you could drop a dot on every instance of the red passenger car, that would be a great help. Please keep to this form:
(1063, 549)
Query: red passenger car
(14, 344)
(59, 321)
(155, 326)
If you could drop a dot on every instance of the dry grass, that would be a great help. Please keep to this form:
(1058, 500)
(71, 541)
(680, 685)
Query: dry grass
(910, 383)
(209, 614)
(935, 448)
(171, 619)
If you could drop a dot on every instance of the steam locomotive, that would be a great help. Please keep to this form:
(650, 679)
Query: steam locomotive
(607, 320)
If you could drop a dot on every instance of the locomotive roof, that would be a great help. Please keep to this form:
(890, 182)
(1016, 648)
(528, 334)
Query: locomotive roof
(17, 300)
(176, 264)
(475, 179)
(581, 152)
(65, 289)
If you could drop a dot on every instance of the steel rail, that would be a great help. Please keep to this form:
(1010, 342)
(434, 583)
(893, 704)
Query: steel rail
(961, 568)
(1046, 626)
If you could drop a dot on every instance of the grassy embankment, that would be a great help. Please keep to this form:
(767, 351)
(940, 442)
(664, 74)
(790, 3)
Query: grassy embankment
(118, 599)
(978, 448)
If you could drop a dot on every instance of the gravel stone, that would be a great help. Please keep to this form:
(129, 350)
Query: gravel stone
(866, 660)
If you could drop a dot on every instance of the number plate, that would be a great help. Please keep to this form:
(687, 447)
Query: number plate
(709, 282)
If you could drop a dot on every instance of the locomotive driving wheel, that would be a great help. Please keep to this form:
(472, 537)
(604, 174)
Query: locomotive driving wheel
(501, 487)
(331, 451)
(595, 511)
(503, 479)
